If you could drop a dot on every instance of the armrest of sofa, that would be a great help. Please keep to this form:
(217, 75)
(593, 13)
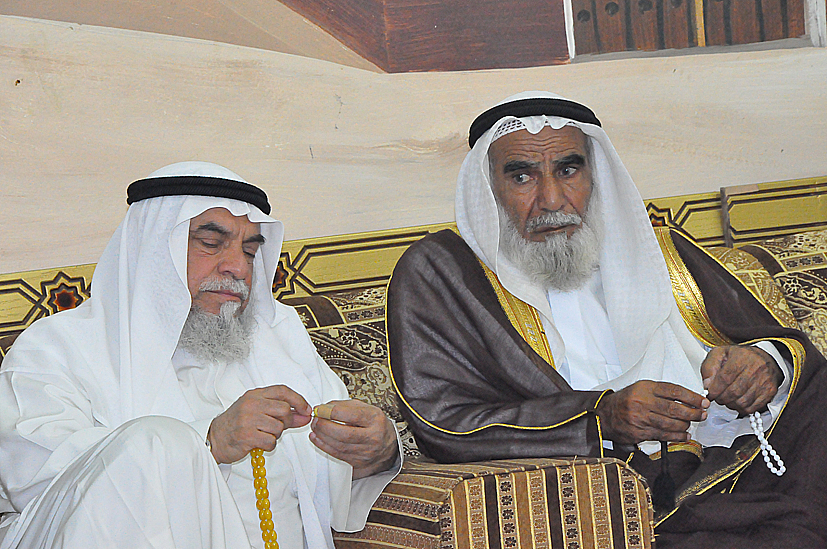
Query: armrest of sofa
(569, 503)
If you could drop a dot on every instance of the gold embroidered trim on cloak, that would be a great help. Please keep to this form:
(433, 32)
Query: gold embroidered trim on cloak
(687, 294)
(692, 447)
(522, 316)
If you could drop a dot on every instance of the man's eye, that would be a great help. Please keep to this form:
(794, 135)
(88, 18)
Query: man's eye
(211, 244)
(567, 171)
(521, 178)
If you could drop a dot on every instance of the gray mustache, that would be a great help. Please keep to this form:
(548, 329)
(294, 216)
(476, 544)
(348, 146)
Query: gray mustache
(236, 286)
(552, 220)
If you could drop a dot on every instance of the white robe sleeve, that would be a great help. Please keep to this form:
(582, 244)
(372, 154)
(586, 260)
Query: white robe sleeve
(363, 494)
(351, 500)
(202, 426)
(45, 423)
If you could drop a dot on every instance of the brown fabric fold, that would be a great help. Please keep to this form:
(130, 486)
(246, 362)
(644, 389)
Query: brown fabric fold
(472, 388)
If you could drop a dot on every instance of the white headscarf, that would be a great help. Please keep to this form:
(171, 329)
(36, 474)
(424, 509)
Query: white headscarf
(119, 344)
(651, 338)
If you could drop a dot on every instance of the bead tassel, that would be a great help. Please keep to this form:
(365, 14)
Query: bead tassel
(268, 532)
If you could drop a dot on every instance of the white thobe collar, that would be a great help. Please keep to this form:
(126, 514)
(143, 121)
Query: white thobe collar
(589, 355)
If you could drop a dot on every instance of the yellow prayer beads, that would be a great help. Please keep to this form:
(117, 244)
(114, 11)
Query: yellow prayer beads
(268, 532)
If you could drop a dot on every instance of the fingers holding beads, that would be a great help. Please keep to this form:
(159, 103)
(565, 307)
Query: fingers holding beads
(741, 377)
(357, 433)
(256, 420)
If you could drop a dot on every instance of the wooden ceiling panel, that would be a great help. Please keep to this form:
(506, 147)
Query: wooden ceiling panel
(262, 24)
(445, 35)
(359, 24)
(391, 35)
(474, 34)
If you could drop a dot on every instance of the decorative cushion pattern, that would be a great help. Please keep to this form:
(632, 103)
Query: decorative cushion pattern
(752, 273)
(537, 503)
(798, 264)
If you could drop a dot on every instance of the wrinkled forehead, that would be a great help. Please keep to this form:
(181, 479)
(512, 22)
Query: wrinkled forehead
(519, 140)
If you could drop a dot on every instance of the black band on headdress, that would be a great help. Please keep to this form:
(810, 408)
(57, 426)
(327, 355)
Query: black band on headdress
(530, 107)
(199, 185)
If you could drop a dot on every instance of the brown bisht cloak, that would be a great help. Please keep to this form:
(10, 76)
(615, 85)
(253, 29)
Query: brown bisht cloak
(473, 389)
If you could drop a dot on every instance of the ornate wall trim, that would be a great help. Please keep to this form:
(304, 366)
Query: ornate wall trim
(340, 280)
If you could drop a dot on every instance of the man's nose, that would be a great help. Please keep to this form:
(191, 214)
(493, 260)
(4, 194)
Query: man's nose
(234, 263)
(550, 194)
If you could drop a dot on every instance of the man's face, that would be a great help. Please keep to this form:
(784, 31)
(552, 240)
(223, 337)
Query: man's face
(221, 247)
(534, 174)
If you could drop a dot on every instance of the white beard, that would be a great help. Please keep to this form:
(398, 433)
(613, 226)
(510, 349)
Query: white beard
(561, 262)
(221, 338)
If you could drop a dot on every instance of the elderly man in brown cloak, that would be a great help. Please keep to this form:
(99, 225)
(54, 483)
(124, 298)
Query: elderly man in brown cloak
(560, 323)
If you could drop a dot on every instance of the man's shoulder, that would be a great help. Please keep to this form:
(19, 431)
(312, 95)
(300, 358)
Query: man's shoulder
(441, 245)
(444, 239)
(56, 336)
(677, 245)
(440, 255)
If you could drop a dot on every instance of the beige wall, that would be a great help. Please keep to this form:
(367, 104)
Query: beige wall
(84, 111)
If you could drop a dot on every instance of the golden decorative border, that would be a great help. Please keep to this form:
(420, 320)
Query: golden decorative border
(601, 517)
(687, 294)
(691, 446)
(522, 316)
(570, 512)
(632, 492)
(540, 527)
(764, 210)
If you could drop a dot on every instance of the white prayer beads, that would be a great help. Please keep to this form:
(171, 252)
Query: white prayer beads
(767, 450)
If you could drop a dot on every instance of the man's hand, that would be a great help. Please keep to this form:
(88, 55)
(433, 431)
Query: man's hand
(650, 410)
(358, 434)
(743, 378)
(256, 420)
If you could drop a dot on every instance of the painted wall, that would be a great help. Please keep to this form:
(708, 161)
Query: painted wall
(85, 110)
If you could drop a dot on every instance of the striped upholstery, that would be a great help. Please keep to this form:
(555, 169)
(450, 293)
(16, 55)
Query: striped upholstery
(538, 503)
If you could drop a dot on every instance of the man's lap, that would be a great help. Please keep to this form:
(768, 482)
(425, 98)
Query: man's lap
(146, 484)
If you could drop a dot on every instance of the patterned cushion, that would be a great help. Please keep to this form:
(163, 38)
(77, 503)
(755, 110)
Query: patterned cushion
(348, 330)
(798, 263)
(541, 503)
(755, 277)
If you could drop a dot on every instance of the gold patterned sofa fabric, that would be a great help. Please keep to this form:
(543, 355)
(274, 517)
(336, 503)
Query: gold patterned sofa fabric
(798, 264)
(348, 329)
(754, 276)
(540, 503)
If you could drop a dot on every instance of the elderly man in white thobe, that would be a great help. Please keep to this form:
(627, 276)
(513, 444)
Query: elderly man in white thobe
(129, 421)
